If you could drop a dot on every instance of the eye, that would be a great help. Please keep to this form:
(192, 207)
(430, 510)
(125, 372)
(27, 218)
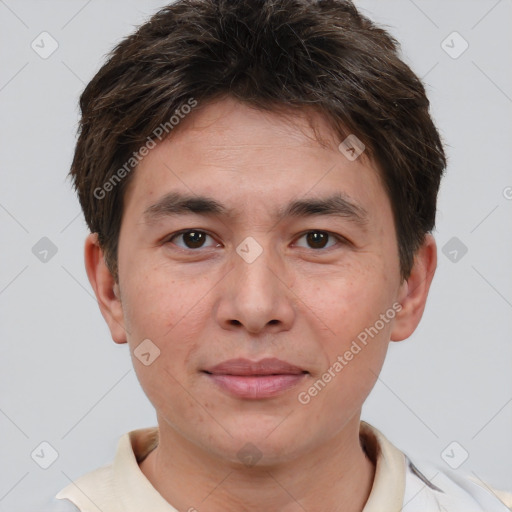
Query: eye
(191, 239)
(320, 239)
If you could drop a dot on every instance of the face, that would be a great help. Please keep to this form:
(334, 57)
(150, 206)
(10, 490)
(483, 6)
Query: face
(255, 260)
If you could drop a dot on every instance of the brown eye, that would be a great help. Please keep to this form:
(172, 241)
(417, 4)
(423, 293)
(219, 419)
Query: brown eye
(194, 239)
(191, 239)
(319, 240)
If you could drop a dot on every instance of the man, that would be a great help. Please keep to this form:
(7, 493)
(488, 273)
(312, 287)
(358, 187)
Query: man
(260, 182)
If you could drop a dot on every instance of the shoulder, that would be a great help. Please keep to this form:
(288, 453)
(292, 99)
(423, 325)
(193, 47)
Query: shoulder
(83, 493)
(431, 487)
(62, 505)
(109, 486)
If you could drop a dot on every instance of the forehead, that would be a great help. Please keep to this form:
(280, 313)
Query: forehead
(228, 149)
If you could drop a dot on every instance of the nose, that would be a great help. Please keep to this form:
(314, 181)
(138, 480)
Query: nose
(256, 295)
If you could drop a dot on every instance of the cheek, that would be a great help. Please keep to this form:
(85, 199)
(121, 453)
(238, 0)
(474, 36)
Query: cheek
(355, 358)
(348, 304)
(159, 316)
(349, 299)
(168, 311)
(172, 321)
(158, 303)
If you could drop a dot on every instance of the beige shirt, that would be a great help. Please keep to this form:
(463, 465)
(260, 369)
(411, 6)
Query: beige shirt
(399, 486)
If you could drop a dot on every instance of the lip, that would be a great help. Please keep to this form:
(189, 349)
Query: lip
(267, 366)
(265, 378)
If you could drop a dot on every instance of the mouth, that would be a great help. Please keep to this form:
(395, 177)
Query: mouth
(266, 378)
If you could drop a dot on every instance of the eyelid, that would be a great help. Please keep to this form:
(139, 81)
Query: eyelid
(168, 238)
(339, 238)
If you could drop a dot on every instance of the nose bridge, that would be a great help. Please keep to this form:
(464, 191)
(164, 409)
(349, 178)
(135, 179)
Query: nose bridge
(253, 263)
(257, 295)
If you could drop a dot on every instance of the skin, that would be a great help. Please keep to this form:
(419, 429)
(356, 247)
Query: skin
(302, 304)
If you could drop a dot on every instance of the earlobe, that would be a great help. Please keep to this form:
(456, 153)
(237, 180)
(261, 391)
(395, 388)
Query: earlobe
(105, 288)
(414, 291)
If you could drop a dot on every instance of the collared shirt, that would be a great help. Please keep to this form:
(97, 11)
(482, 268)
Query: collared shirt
(399, 485)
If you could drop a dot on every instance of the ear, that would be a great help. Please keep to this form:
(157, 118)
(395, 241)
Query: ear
(414, 291)
(105, 288)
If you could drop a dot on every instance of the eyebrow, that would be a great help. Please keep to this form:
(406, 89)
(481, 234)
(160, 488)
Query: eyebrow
(175, 203)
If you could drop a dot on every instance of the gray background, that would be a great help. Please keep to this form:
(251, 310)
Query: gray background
(64, 381)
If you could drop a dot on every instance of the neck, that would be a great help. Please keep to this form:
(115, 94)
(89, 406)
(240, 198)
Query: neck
(335, 476)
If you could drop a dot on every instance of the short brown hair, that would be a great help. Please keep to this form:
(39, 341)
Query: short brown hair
(320, 54)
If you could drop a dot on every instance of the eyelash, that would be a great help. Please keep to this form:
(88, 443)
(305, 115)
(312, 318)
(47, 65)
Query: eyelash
(340, 239)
